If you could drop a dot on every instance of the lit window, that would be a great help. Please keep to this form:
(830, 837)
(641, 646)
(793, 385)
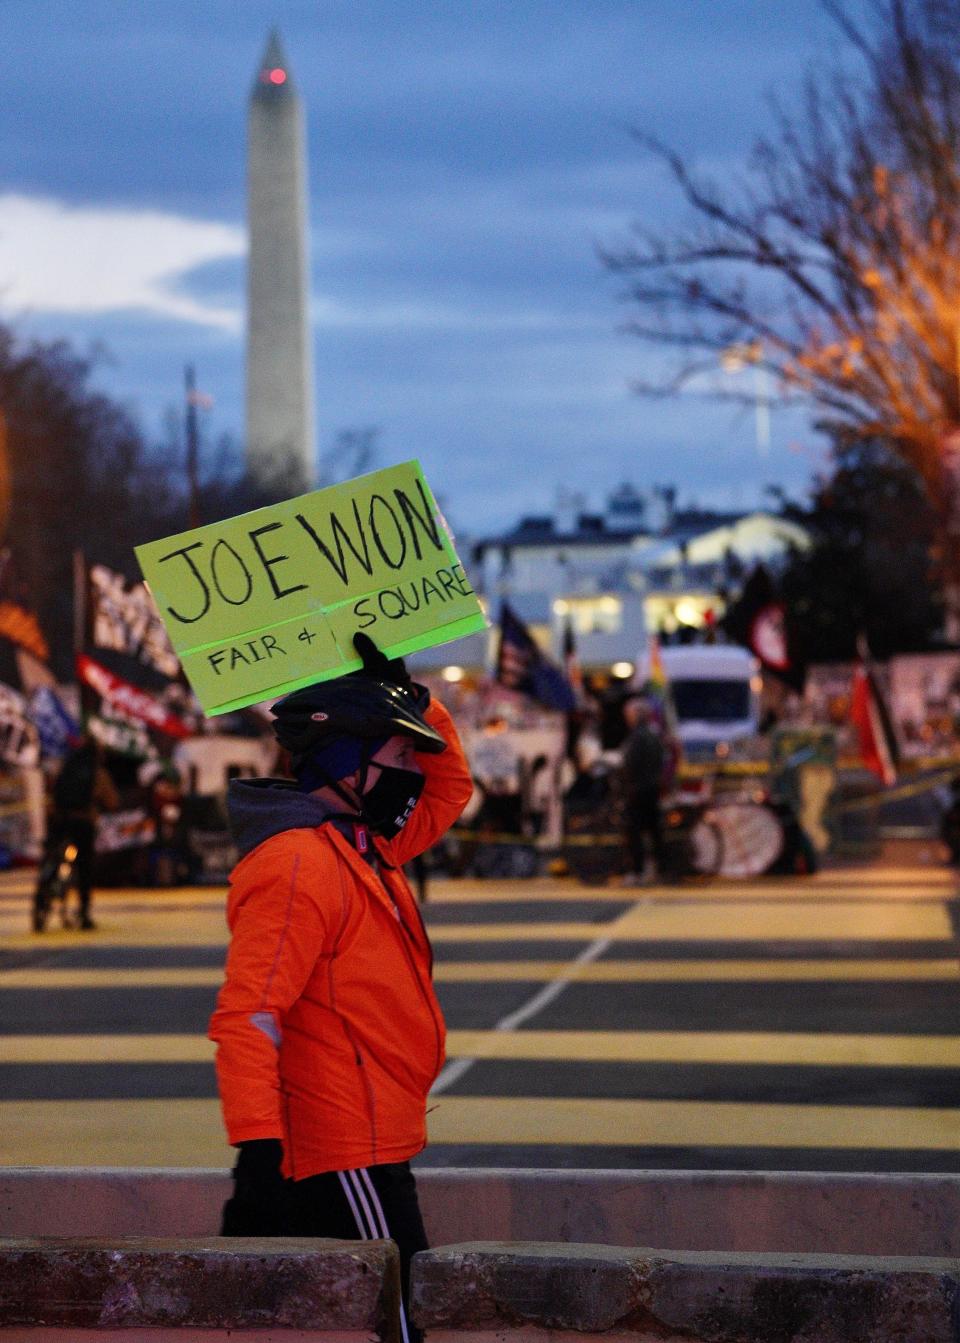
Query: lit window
(595, 615)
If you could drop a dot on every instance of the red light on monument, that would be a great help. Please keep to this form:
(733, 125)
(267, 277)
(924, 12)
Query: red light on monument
(277, 76)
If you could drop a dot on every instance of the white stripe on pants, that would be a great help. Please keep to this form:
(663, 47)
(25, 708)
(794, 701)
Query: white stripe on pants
(357, 1185)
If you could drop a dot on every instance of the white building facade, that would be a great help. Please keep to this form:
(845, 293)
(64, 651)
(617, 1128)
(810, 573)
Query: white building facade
(639, 567)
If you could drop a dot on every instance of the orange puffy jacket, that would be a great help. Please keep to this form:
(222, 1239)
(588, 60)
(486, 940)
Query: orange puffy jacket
(328, 1031)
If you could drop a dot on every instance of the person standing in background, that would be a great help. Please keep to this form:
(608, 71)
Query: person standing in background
(644, 759)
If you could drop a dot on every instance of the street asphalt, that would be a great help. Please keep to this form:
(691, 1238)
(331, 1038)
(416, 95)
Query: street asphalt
(794, 1024)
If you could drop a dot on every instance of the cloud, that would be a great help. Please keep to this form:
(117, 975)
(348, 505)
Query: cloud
(57, 258)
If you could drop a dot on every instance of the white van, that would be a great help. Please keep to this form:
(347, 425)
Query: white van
(716, 692)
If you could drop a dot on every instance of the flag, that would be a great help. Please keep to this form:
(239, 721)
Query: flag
(22, 628)
(868, 710)
(571, 663)
(521, 666)
(761, 622)
(125, 700)
(126, 620)
(17, 622)
(656, 672)
(657, 687)
(55, 724)
(19, 740)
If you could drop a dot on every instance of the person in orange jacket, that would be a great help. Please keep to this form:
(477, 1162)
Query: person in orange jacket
(329, 1034)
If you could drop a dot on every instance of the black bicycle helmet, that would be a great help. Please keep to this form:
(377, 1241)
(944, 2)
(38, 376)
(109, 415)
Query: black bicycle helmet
(356, 705)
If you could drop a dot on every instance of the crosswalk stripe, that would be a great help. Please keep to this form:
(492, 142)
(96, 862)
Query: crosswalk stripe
(205, 928)
(741, 1047)
(638, 1123)
(154, 977)
(185, 1133)
(135, 1133)
(627, 1047)
(675, 972)
(105, 1049)
(785, 920)
(790, 922)
(461, 972)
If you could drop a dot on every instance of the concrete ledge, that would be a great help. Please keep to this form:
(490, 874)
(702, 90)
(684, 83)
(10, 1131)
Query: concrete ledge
(764, 1212)
(466, 1291)
(329, 1286)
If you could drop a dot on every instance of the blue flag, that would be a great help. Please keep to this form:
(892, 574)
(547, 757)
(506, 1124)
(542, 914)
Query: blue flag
(522, 666)
(54, 724)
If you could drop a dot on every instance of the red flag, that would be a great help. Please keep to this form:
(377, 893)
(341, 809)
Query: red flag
(128, 699)
(761, 622)
(878, 742)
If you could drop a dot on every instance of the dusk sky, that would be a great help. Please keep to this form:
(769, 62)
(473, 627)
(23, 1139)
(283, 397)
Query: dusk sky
(466, 161)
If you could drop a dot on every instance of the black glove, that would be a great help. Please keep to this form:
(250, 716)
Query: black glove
(259, 1206)
(378, 665)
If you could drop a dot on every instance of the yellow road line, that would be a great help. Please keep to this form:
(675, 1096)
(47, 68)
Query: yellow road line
(106, 1049)
(462, 972)
(520, 932)
(675, 972)
(188, 1132)
(736, 1047)
(468, 891)
(740, 1047)
(181, 897)
(790, 921)
(114, 1133)
(38, 978)
(735, 892)
(460, 1119)
(903, 872)
(156, 928)
(714, 891)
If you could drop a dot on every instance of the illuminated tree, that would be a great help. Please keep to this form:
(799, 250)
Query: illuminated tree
(836, 267)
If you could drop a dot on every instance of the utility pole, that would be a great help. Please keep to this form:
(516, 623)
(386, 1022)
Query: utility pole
(193, 446)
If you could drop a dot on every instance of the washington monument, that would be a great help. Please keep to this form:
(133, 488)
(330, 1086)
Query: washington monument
(280, 431)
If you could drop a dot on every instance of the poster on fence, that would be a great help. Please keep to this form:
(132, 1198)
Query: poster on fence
(19, 739)
(263, 603)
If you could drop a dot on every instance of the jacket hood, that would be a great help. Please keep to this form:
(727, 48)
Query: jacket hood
(260, 808)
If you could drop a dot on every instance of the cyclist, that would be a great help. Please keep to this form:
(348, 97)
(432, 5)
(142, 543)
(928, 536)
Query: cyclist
(81, 791)
(328, 1031)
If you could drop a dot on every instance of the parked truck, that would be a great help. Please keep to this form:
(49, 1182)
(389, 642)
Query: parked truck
(716, 694)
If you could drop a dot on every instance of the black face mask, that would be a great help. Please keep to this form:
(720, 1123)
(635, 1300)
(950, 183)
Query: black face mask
(388, 804)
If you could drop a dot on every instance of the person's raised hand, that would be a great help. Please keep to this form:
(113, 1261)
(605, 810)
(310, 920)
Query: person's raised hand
(377, 664)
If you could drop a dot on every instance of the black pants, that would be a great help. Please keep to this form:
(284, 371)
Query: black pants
(372, 1203)
(642, 823)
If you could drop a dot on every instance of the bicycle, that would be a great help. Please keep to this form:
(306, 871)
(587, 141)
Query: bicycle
(594, 823)
(54, 880)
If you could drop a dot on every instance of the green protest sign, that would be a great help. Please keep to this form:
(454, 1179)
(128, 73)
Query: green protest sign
(263, 603)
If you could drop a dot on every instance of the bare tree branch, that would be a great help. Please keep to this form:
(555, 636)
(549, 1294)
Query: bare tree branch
(838, 262)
